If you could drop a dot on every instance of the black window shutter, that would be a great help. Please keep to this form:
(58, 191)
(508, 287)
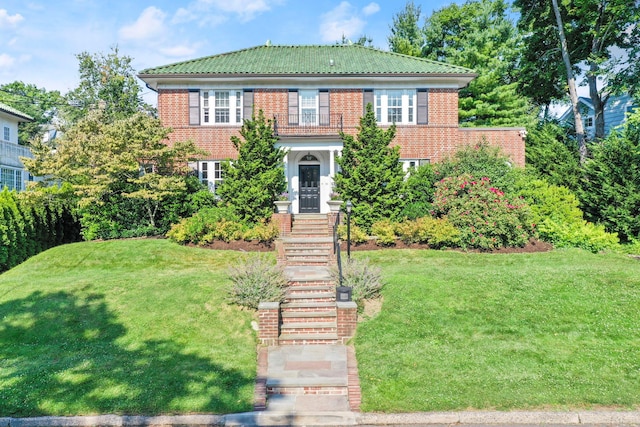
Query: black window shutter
(323, 101)
(368, 99)
(293, 107)
(247, 104)
(194, 107)
(423, 106)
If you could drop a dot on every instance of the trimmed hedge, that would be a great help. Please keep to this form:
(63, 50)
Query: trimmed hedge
(32, 222)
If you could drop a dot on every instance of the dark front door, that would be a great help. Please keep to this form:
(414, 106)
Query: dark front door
(310, 189)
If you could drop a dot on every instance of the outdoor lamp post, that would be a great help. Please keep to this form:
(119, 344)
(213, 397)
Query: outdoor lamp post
(349, 206)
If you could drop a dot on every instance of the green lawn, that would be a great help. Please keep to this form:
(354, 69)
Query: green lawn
(131, 327)
(142, 327)
(459, 331)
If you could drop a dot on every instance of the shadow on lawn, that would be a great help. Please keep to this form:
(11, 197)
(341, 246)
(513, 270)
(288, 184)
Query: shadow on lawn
(59, 355)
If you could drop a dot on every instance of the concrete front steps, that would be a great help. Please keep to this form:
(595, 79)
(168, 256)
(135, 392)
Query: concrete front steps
(309, 314)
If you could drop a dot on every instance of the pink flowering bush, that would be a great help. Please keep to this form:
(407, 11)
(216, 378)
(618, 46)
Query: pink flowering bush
(486, 218)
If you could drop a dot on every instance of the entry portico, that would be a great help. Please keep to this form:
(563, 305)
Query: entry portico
(310, 167)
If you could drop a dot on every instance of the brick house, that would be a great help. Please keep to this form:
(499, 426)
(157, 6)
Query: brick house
(313, 93)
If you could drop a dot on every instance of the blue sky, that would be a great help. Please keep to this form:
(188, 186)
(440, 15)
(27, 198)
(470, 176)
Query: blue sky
(40, 38)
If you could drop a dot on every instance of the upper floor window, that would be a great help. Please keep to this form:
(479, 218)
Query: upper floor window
(221, 107)
(308, 107)
(7, 133)
(395, 106)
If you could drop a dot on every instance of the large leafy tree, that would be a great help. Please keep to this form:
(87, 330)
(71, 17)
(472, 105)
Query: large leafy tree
(371, 174)
(610, 192)
(38, 103)
(478, 35)
(602, 39)
(406, 35)
(255, 180)
(122, 171)
(107, 81)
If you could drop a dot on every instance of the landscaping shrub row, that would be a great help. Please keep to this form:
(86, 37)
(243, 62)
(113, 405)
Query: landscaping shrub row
(33, 222)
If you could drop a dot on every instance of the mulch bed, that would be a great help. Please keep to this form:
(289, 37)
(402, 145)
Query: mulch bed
(255, 246)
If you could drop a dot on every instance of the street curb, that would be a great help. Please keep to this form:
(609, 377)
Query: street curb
(475, 418)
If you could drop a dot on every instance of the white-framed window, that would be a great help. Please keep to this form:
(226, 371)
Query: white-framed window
(221, 107)
(408, 164)
(6, 134)
(11, 178)
(210, 173)
(308, 107)
(395, 106)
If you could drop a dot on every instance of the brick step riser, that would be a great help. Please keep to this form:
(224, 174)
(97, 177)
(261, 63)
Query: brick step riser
(309, 283)
(324, 319)
(310, 300)
(301, 293)
(324, 311)
(308, 263)
(307, 331)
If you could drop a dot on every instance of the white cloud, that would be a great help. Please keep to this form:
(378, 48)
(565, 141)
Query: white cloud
(149, 24)
(178, 51)
(343, 20)
(370, 9)
(6, 61)
(9, 21)
(245, 9)
(183, 15)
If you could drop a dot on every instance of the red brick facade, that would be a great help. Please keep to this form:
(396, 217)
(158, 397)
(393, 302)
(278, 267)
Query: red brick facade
(434, 141)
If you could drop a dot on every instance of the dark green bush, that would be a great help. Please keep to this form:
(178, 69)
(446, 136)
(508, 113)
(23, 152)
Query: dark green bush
(33, 221)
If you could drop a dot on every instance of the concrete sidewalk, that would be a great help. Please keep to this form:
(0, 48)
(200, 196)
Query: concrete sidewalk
(431, 419)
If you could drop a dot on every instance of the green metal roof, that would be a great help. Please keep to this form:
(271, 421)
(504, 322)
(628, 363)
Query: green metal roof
(339, 60)
(10, 110)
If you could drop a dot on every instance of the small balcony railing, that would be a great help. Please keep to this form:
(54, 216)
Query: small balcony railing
(307, 124)
(10, 153)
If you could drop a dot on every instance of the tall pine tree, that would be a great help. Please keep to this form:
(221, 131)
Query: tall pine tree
(253, 182)
(371, 174)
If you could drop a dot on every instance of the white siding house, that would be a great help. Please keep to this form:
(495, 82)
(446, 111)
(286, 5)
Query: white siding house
(12, 172)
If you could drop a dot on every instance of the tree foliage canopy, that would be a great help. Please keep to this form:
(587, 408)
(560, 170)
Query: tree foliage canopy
(38, 103)
(108, 82)
(110, 163)
(478, 35)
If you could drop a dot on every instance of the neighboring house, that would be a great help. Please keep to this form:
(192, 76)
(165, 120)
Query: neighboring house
(615, 112)
(313, 93)
(12, 172)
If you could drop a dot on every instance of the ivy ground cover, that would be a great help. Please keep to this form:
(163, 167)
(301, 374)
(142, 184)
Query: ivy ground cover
(552, 330)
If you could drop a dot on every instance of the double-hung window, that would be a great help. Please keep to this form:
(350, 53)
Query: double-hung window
(7, 133)
(308, 107)
(210, 173)
(395, 106)
(222, 107)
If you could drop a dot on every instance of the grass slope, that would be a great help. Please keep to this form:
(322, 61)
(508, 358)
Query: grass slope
(131, 327)
(459, 331)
